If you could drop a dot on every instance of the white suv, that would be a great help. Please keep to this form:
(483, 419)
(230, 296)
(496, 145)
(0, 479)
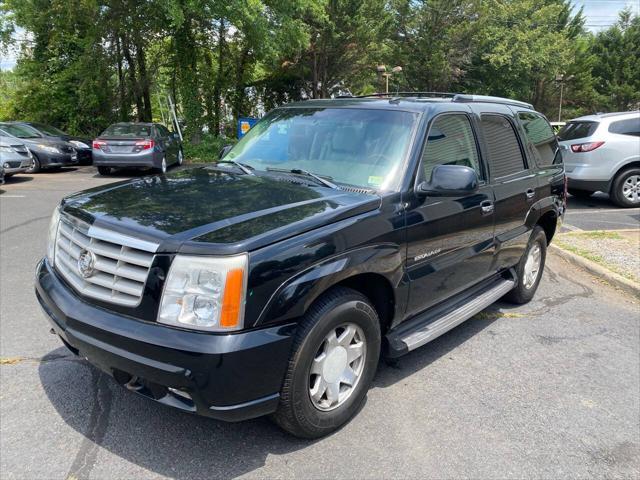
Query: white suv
(602, 153)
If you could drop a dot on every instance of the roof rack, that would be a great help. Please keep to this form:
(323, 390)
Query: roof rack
(455, 97)
(462, 98)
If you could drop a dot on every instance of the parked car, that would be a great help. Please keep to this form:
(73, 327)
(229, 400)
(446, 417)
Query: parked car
(14, 156)
(81, 144)
(270, 282)
(147, 145)
(557, 126)
(602, 154)
(45, 152)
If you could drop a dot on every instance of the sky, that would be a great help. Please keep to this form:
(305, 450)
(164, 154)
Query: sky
(599, 14)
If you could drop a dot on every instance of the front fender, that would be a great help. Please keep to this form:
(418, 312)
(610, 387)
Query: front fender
(292, 299)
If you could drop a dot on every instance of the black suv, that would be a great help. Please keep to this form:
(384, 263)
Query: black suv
(335, 231)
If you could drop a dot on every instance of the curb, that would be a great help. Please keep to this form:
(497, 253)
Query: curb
(599, 271)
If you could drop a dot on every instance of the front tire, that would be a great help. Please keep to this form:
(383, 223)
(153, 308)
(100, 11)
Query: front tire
(529, 269)
(334, 360)
(180, 157)
(104, 170)
(36, 166)
(625, 191)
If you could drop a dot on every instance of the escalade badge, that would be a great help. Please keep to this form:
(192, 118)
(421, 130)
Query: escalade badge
(86, 263)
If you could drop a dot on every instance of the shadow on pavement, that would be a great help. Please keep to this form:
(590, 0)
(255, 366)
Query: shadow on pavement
(17, 179)
(176, 444)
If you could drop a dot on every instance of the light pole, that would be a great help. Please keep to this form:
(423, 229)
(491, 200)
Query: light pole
(561, 79)
(382, 71)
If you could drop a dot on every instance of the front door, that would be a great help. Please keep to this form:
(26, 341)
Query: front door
(450, 238)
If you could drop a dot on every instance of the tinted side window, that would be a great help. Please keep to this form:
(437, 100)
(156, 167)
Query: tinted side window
(575, 130)
(451, 142)
(541, 136)
(626, 127)
(505, 156)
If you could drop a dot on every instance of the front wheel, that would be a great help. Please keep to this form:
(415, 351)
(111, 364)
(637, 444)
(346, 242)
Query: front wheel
(625, 191)
(334, 359)
(529, 269)
(35, 166)
(180, 156)
(104, 170)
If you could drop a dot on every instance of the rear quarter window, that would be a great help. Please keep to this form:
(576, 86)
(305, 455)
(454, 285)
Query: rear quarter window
(541, 137)
(575, 130)
(630, 126)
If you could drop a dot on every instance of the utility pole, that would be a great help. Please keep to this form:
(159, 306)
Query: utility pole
(561, 79)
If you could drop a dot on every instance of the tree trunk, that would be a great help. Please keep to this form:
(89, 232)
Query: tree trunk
(123, 98)
(132, 77)
(217, 92)
(144, 86)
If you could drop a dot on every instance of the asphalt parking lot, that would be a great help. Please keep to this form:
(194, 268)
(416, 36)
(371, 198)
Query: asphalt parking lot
(546, 390)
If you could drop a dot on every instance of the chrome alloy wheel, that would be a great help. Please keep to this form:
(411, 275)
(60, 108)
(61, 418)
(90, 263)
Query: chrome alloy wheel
(532, 266)
(337, 367)
(631, 188)
(163, 166)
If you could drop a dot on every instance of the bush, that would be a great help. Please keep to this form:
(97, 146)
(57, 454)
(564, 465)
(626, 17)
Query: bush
(205, 151)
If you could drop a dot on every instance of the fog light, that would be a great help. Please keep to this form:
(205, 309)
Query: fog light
(6, 165)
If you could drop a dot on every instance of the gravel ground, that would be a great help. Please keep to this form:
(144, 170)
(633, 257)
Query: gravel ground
(617, 250)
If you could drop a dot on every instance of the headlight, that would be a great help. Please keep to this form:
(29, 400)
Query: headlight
(52, 233)
(79, 144)
(205, 293)
(6, 149)
(49, 148)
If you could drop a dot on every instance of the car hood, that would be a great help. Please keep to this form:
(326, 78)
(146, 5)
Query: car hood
(214, 210)
(31, 142)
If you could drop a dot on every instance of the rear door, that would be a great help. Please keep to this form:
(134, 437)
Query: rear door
(513, 180)
(450, 238)
(168, 143)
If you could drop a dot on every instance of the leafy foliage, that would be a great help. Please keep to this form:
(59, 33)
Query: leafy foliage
(87, 63)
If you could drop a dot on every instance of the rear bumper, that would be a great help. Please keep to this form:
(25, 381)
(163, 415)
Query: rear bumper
(227, 377)
(590, 185)
(141, 159)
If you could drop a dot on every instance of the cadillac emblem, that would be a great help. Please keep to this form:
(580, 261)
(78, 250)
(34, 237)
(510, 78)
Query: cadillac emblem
(86, 263)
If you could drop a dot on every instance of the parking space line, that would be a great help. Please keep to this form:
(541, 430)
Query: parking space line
(611, 210)
(11, 196)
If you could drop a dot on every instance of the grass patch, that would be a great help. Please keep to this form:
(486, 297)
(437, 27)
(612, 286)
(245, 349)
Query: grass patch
(596, 235)
(595, 258)
(207, 150)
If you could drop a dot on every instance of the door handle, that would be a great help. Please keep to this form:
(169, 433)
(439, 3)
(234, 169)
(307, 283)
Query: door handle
(487, 207)
(530, 193)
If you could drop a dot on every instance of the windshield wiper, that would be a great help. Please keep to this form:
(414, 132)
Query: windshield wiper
(242, 166)
(298, 171)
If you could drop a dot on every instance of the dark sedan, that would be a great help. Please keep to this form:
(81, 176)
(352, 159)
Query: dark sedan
(147, 145)
(47, 152)
(81, 144)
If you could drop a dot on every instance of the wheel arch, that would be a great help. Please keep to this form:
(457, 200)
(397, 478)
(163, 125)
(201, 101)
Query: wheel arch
(376, 272)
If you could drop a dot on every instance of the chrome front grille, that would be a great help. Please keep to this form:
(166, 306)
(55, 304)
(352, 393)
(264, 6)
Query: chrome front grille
(119, 272)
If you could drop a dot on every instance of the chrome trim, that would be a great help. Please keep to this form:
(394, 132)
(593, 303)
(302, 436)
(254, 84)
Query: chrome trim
(122, 239)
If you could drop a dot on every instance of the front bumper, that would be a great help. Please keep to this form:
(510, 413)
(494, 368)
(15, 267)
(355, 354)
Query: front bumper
(57, 159)
(229, 377)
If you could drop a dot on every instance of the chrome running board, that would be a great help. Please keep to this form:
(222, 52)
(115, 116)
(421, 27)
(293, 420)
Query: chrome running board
(439, 320)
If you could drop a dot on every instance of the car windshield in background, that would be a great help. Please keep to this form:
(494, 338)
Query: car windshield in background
(20, 131)
(127, 131)
(358, 147)
(48, 130)
(575, 130)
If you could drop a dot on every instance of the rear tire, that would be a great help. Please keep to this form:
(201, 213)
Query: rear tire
(530, 268)
(334, 359)
(625, 191)
(104, 170)
(163, 166)
(580, 193)
(35, 164)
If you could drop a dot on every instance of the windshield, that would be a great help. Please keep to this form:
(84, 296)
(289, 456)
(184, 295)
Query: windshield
(127, 130)
(575, 130)
(358, 147)
(20, 131)
(48, 129)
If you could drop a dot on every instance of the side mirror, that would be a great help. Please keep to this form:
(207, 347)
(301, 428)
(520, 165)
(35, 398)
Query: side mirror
(224, 151)
(450, 180)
